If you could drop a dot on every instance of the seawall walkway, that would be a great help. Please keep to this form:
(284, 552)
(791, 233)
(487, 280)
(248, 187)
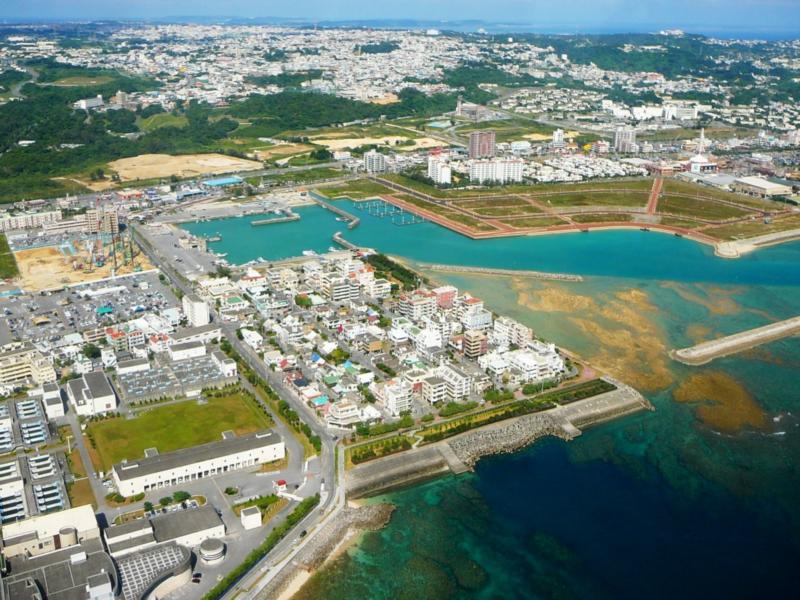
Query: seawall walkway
(460, 453)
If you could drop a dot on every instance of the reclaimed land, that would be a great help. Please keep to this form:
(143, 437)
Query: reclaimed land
(118, 438)
(707, 351)
(684, 209)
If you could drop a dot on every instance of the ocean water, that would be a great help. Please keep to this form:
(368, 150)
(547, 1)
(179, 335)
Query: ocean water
(697, 499)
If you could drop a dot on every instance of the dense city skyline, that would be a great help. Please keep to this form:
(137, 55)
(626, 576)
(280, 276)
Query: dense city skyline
(704, 16)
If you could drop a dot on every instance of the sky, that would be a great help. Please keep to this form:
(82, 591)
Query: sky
(709, 16)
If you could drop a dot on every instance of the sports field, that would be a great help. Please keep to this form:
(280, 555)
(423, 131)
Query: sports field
(174, 426)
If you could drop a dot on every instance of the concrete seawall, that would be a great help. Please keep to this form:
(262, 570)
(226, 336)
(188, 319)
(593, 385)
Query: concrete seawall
(460, 453)
(708, 351)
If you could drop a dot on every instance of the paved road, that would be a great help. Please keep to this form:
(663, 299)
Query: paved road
(327, 466)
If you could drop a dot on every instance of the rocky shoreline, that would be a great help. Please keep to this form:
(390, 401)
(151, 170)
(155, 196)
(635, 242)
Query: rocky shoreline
(505, 437)
(350, 521)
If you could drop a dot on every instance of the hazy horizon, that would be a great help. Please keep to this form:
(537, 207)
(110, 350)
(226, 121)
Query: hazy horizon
(715, 17)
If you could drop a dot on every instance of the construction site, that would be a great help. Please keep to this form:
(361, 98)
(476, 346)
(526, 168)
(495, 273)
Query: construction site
(78, 258)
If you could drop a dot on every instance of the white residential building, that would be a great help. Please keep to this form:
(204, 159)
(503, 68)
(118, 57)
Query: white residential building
(395, 395)
(439, 170)
(374, 162)
(196, 310)
(507, 331)
(498, 170)
(344, 413)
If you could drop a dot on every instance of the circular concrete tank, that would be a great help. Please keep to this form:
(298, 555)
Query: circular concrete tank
(68, 536)
(212, 550)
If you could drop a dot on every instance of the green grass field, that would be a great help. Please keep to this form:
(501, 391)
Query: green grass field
(162, 120)
(595, 199)
(534, 222)
(507, 130)
(174, 427)
(753, 228)
(507, 211)
(676, 186)
(358, 189)
(84, 81)
(304, 176)
(600, 218)
(8, 264)
(703, 209)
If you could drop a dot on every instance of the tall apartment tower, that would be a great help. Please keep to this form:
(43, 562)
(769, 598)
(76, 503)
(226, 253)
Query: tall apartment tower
(196, 310)
(374, 162)
(625, 139)
(482, 144)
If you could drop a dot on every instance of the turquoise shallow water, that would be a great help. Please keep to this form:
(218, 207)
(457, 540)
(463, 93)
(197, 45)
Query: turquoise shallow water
(698, 499)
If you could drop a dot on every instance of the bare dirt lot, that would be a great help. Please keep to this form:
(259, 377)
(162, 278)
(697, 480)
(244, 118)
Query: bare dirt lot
(156, 166)
(281, 150)
(47, 268)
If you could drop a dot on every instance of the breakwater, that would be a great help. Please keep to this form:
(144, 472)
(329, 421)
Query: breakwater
(337, 238)
(352, 220)
(737, 248)
(286, 219)
(708, 351)
(495, 271)
(460, 453)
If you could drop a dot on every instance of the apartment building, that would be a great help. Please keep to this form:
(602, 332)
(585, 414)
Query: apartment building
(21, 363)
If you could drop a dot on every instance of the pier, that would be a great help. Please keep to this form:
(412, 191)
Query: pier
(353, 221)
(708, 351)
(510, 272)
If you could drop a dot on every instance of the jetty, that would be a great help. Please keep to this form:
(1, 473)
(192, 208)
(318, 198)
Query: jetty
(731, 344)
(494, 271)
(352, 220)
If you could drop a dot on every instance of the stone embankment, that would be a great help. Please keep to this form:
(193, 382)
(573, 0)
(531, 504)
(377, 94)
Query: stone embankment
(505, 437)
(349, 522)
(460, 453)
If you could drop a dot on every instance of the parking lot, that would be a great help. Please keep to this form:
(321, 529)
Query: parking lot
(46, 318)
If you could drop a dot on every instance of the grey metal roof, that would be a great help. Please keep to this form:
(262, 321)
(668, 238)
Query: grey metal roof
(116, 531)
(172, 460)
(185, 522)
(98, 384)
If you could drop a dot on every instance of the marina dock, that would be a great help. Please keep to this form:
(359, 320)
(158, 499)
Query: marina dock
(352, 221)
(708, 351)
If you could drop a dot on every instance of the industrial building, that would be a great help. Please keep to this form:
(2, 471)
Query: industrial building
(91, 395)
(228, 454)
(758, 186)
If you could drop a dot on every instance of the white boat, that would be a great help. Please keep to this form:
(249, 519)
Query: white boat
(309, 253)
